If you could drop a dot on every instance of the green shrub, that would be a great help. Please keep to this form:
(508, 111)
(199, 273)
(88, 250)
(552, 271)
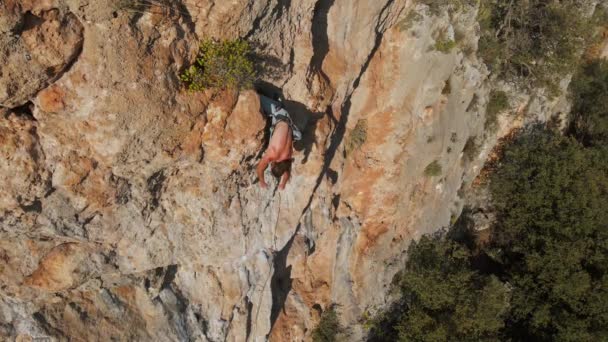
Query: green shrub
(444, 45)
(471, 149)
(551, 237)
(538, 40)
(357, 136)
(221, 64)
(498, 102)
(435, 5)
(442, 297)
(328, 328)
(433, 169)
(548, 246)
(408, 22)
(589, 95)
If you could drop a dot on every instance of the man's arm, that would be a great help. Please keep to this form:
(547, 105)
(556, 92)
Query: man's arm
(269, 156)
(261, 168)
(284, 179)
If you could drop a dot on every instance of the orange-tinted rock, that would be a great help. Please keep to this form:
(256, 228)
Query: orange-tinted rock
(21, 163)
(52, 99)
(49, 41)
(55, 271)
(119, 158)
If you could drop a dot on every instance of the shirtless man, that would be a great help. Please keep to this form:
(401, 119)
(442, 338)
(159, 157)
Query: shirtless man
(279, 151)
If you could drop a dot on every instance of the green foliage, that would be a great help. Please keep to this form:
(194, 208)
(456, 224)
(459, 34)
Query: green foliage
(433, 169)
(550, 194)
(499, 101)
(328, 328)
(221, 64)
(589, 94)
(542, 275)
(538, 40)
(357, 136)
(444, 45)
(408, 22)
(436, 5)
(471, 149)
(443, 298)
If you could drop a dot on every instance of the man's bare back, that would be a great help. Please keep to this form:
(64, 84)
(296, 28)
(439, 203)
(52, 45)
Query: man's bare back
(279, 149)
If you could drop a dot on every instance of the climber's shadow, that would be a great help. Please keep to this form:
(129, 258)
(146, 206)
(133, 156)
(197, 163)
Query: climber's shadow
(302, 117)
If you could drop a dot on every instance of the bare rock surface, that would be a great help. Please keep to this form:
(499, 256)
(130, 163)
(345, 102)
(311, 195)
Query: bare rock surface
(130, 209)
(39, 41)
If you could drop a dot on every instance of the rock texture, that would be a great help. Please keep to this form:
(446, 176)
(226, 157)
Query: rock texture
(130, 209)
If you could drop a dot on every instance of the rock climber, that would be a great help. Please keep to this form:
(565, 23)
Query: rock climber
(283, 132)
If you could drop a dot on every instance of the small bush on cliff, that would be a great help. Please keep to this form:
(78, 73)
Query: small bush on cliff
(435, 5)
(539, 40)
(433, 169)
(221, 64)
(471, 148)
(444, 45)
(328, 328)
(498, 102)
(357, 136)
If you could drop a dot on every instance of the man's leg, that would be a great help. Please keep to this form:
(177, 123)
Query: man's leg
(266, 104)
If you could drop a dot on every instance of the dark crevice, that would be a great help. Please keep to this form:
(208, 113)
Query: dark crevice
(281, 7)
(30, 21)
(82, 314)
(280, 283)
(338, 133)
(182, 301)
(203, 324)
(155, 185)
(24, 111)
(249, 318)
(257, 23)
(47, 327)
(185, 15)
(320, 40)
(35, 207)
(169, 277)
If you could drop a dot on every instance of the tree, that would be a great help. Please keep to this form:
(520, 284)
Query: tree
(588, 92)
(443, 297)
(538, 40)
(552, 236)
(329, 327)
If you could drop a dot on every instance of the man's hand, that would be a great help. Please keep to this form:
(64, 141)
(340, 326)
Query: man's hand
(261, 168)
(284, 180)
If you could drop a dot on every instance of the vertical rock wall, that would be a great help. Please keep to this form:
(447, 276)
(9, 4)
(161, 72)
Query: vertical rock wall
(130, 209)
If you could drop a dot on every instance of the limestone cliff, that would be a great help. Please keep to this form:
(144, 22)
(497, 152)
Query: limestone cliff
(129, 207)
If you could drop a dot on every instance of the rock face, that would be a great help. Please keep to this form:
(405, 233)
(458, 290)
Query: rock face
(39, 41)
(130, 208)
